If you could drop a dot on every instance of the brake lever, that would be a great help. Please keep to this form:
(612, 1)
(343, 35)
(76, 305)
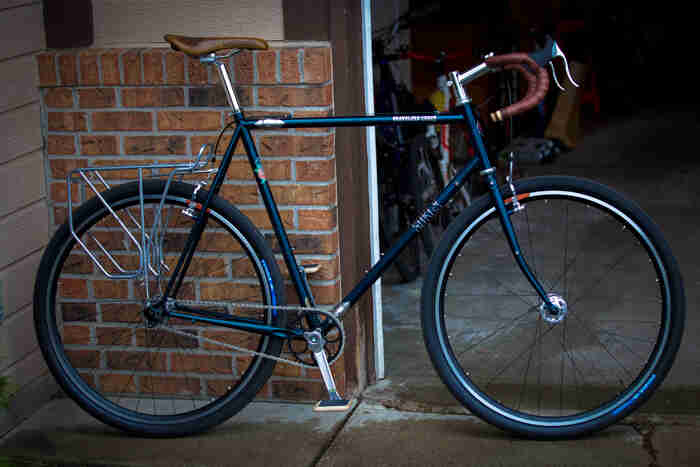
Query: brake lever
(557, 52)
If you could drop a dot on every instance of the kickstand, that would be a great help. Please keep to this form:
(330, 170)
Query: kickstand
(334, 403)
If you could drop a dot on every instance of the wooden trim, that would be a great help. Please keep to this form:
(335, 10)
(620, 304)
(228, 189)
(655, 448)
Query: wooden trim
(340, 23)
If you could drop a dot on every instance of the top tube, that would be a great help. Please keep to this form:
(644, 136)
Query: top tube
(350, 121)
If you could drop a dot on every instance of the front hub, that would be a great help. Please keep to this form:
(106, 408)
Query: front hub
(559, 310)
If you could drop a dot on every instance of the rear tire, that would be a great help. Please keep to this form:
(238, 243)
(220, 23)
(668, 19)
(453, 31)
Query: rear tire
(151, 376)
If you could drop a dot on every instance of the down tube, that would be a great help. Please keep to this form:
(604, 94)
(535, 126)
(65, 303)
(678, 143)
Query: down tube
(378, 269)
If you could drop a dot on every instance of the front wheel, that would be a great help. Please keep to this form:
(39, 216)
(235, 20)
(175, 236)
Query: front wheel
(519, 366)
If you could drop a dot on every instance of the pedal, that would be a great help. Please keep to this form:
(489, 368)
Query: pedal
(333, 405)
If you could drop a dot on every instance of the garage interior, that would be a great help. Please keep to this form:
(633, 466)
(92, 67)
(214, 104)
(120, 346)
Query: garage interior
(631, 126)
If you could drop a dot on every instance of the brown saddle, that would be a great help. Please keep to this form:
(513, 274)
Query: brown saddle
(198, 46)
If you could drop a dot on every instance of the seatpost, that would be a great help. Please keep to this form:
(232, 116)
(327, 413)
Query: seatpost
(225, 78)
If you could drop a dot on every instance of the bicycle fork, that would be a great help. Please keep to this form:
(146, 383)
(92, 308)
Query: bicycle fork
(503, 214)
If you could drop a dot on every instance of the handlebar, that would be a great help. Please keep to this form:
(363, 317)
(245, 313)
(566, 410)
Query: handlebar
(529, 65)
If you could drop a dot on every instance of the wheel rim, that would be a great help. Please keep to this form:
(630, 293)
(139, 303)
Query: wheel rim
(178, 376)
(503, 375)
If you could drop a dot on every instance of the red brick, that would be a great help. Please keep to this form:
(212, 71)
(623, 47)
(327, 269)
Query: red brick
(67, 121)
(47, 69)
(174, 68)
(110, 68)
(170, 385)
(72, 288)
(133, 361)
(79, 335)
(274, 170)
(153, 97)
(152, 67)
(317, 219)
(221, 364)
(231, 337)
(98, 145)
(131, 62)
(89, 70)
(315, 171)
(68, 69)
(311, 243)
(305, 194)
(111, 289)
(59, 193)
(84, 358)
(197, 72)
(261, 220)
(317, 65)
(122, 121)
(196, 143)
(244, 70)
(61, 167)
(295, 97)
(58, 97)
(60, 144)
(93, 98)
(118, 383)
(189, 120)
(296, 145)
(121, 313)
(163, 338)
(267, 67)
(240, 194)
(111, 336)
(289, 66)
(159, 145)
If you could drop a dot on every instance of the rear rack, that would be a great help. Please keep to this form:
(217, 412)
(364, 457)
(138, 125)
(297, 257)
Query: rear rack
(150, 244)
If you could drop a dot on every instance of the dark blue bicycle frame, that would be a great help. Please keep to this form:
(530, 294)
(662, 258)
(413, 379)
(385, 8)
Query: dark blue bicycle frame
(243, 133)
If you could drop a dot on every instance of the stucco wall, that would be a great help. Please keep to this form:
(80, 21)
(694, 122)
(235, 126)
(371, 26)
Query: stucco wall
(130, 23)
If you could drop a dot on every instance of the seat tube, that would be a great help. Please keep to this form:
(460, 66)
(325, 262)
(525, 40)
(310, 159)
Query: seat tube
(275, 219)
(504, 217)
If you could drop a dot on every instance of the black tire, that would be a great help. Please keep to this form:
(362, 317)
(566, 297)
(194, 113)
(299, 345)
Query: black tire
(530, 372)
(150, 380)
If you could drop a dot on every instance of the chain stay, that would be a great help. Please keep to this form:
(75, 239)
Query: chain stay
(330, 316)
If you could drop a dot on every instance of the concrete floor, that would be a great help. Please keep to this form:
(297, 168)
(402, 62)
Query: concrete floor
(653, 159)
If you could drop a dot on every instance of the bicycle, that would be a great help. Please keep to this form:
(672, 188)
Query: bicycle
(544, 346)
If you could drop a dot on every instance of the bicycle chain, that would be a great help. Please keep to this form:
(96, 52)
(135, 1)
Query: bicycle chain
(330, 316)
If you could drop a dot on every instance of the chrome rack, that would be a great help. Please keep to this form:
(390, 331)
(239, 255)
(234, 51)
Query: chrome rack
(150, 244)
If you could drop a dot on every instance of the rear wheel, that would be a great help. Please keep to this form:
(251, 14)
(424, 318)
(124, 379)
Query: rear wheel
(121, 359)
(514, 363)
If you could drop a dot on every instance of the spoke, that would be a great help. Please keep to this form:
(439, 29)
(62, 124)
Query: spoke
(511, 324)
(612, 266)
(538, 342)
(603, 346)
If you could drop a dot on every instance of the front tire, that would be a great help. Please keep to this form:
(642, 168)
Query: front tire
(523, 369)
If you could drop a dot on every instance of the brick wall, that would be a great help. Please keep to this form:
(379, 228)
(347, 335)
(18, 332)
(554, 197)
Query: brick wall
(126, 106)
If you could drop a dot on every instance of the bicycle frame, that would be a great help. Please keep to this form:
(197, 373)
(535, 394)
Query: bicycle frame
(243, 133)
